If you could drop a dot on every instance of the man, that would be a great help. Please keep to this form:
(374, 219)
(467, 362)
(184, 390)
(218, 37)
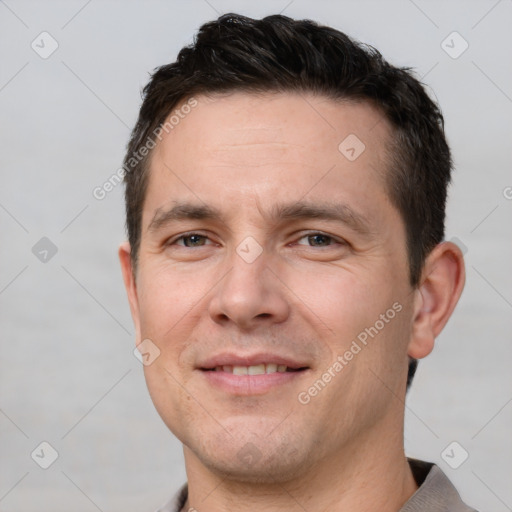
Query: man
(285, 198)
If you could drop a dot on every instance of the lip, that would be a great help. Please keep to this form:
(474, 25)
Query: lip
(229, 359)
(247, 385)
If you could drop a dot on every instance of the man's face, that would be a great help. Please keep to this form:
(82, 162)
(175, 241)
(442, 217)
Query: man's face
(272, 280)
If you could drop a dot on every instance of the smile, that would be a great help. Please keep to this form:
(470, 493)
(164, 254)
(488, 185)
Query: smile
(251, 380)
(258, 369)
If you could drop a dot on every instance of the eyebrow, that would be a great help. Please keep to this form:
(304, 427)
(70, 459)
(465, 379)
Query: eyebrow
(183, 211)
(299, 210)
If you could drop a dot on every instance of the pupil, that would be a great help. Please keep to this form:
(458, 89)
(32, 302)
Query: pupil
(318, 238)
(194, 239)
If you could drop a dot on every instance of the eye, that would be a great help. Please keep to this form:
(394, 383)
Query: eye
(318, 240)
(190, 240)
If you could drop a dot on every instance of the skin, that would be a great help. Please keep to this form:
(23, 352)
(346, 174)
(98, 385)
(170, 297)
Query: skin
(308, 298)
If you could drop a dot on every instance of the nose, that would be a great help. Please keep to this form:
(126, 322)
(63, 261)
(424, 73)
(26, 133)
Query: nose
(251, 295)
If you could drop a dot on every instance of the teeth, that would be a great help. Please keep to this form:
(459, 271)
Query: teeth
(240, 370)
(257, 369)
(271, 368)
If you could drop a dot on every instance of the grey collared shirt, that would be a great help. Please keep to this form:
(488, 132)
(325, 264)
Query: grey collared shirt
(435, 493)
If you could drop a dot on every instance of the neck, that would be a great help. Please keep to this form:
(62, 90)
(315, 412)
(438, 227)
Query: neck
(366, 476)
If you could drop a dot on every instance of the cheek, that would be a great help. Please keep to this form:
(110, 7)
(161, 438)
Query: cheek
(342, 300)
(367, 314)
(167, 298)
(169, 303)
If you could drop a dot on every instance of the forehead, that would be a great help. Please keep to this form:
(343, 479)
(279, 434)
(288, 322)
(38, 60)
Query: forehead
(264, 147)
(222, 122)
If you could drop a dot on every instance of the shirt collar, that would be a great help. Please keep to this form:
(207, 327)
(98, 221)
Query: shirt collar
(435, 492)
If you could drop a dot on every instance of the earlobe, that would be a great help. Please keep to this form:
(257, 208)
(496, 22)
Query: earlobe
(130, 284)
(441, 285)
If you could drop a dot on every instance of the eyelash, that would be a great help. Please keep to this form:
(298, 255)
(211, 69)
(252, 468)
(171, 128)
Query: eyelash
(307, 235)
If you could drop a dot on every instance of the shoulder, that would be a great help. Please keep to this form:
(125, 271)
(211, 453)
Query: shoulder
(435, 493)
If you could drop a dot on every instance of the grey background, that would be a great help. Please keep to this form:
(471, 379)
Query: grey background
(68, 375)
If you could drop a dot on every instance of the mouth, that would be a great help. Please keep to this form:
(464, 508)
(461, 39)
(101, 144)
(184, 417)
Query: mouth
(257, 369)
(254, 375)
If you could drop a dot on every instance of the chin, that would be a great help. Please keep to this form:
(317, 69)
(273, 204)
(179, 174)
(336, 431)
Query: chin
(268, 470)
(246, 458)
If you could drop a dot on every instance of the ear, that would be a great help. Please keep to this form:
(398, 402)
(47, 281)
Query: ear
(441, 285)
(130, 285)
